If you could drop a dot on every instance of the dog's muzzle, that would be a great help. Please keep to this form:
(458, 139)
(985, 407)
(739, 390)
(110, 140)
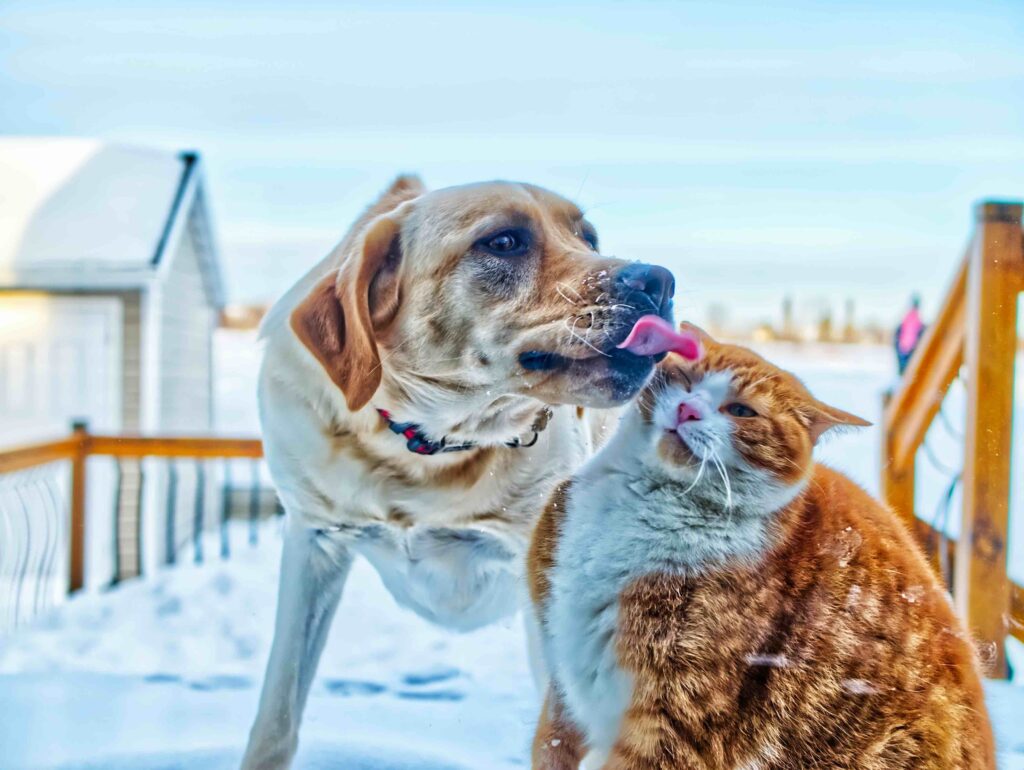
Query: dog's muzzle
(635, 290)
(647, 289)
(639, 289)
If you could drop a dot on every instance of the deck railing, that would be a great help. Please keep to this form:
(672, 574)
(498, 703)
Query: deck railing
(974, 337)
(45, 490)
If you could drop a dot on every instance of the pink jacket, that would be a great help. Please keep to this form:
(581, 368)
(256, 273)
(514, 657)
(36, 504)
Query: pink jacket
(910, 331)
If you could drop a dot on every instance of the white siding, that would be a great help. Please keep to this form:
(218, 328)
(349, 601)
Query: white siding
(187, 321)
(131, 379)
(60, 359)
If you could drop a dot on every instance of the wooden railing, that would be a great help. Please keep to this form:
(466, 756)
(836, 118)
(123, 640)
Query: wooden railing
(76, 449)
(975, 334)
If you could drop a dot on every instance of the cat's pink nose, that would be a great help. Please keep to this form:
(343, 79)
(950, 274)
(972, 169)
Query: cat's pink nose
(689, 410)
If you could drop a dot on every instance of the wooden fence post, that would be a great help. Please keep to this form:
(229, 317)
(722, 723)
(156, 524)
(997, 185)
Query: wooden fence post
(897, 482)
(981, 584)
(76, 524)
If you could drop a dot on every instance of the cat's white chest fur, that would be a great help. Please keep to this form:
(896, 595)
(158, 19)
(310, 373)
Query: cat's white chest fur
(621, 523)
(581, 622)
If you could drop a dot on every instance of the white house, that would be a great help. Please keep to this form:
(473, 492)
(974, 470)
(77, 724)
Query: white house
(110, 292)
(110, 289)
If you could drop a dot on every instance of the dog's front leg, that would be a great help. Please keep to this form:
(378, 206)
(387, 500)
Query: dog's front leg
(313, 572)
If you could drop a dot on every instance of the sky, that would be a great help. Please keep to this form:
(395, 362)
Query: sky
(823, 150)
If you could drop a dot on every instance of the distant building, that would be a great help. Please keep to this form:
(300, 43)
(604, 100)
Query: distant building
(110, 289)
(788, 324)
(850, 334)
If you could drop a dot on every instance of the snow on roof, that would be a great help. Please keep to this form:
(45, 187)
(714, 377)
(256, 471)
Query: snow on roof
(80, 213)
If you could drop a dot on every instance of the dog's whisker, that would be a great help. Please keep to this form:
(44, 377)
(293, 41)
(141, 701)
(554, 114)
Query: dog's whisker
(620, 305)
(561, 288)
(590, 326)
(574, 335)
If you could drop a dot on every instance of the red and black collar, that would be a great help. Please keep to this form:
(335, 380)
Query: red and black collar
(418, 442)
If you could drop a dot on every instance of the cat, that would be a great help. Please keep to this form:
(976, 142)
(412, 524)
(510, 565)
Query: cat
(710, 598)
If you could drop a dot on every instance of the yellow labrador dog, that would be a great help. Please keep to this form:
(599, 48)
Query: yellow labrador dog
(421, 393)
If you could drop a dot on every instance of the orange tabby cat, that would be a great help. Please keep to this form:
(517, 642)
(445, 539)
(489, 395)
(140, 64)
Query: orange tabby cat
(710, 598)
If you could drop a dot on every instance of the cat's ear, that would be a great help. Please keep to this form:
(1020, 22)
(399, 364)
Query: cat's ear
(706, 340)
(825, 417)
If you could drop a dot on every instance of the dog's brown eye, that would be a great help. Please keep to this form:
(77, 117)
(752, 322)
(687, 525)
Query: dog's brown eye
(504, 242)
(507, 243)
(737, 409)
(591, 238)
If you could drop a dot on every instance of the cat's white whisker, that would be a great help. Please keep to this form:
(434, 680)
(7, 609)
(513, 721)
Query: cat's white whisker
(700, 474)
(720, 467)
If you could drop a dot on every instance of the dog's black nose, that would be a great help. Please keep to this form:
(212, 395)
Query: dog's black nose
(655, 282)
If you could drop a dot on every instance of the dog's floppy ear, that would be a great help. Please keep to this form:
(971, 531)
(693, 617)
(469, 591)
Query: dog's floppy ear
(402, 188)
(340, 317)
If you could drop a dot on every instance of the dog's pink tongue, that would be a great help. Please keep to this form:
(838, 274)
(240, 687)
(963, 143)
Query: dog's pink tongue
(652, 335)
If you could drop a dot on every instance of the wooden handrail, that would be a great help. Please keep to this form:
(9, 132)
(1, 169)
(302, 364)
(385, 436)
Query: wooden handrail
(45, 452)
(976, 329)
(981, 586)
(34, 455)
(932, 370)
(174, 446)
(80, 445)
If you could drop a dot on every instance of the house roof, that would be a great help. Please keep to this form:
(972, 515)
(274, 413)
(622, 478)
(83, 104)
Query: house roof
(80, 214)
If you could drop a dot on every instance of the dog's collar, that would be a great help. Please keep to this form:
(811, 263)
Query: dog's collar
(417, 441)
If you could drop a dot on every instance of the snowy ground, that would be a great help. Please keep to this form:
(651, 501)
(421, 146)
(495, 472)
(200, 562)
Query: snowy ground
(164, 673)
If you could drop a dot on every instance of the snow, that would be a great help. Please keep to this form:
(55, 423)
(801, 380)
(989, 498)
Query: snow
(165, 672)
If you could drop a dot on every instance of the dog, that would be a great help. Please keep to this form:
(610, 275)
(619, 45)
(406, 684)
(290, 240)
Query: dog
(422, 391)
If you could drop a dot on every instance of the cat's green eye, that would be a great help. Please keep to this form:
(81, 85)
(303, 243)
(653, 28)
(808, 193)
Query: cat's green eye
(737, 409)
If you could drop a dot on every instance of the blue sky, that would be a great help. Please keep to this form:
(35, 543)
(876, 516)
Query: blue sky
(822, 149)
